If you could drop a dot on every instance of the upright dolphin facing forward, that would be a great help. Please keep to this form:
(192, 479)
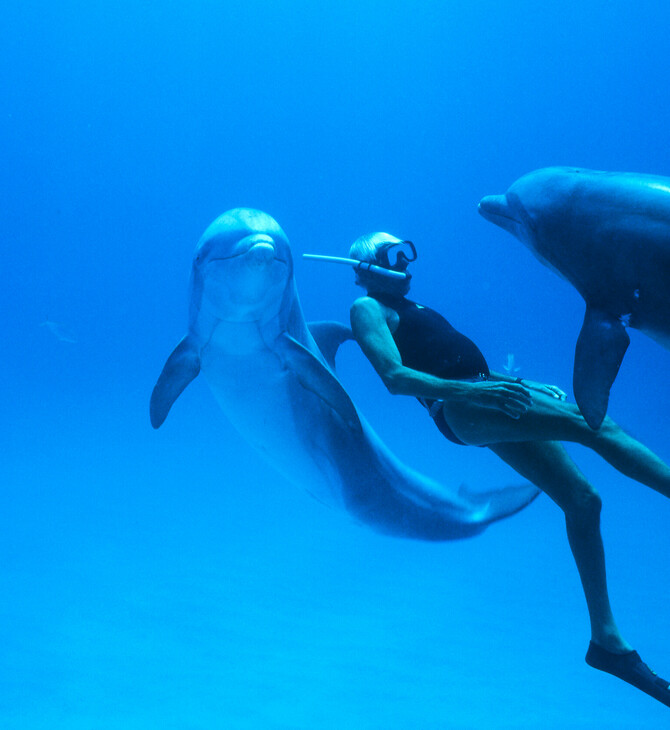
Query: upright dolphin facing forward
(608, 234)
(248, 336)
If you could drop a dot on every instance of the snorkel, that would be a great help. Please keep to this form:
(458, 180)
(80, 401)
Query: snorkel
(376, 266)
(358, 265)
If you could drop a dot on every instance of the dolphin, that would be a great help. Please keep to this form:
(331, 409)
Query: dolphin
(277, 386)
(608, 234)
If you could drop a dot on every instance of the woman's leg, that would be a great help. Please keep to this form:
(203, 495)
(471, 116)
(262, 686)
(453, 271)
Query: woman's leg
(547, 465)
(550, 419)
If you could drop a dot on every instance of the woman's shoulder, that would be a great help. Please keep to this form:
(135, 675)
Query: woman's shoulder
(368, 304)
(370, 310)
(365, 302)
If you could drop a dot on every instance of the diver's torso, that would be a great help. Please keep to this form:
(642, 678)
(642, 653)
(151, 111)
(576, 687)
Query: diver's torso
(427, 342)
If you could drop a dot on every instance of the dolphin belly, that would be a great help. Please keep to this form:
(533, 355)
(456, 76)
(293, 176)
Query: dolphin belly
(271, 410)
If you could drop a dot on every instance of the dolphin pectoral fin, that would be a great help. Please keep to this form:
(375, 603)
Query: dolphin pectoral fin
(314, 376)
(601, 345)
(181, 368)
(499, 503)
(328, 337)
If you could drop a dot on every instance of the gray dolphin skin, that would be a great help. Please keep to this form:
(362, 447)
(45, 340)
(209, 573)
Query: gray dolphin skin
(278, 388)
(608, 234)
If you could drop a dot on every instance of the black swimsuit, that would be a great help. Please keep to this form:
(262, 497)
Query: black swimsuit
(428, 343)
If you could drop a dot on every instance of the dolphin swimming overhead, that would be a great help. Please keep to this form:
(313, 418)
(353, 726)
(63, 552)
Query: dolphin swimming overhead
(247, 335)
(608, 234)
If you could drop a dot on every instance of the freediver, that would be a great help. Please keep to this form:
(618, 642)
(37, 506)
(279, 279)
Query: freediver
(416, 352)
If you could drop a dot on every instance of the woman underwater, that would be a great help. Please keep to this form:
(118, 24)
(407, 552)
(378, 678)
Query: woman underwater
(417, 352)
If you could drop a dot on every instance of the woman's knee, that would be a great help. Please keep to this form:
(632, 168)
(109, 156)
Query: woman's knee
(584, 506)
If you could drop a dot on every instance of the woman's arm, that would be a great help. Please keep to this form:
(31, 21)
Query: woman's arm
(371, 331)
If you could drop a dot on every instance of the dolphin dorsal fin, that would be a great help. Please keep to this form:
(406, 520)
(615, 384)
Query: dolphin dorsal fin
(180, 369)
(328, 337)
(601, 345)
(315, 376)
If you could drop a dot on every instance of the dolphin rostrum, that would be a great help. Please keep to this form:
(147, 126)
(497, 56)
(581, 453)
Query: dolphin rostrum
(247, 335)
(608, 234)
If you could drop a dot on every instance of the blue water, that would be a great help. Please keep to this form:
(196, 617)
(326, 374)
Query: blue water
(170, 579)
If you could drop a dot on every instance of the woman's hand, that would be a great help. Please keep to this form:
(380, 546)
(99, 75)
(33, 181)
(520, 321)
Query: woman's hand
(553, 390)
(512, 399)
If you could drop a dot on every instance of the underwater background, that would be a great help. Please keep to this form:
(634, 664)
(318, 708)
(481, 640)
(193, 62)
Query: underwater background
(171, 579)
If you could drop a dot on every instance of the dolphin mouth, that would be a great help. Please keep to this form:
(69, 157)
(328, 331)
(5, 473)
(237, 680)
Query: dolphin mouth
(260, 252)
(491, 215)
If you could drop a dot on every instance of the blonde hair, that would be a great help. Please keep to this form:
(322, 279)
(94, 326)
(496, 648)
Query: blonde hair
(365, 248)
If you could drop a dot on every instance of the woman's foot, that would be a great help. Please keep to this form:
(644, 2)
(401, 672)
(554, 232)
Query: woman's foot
(629, 667)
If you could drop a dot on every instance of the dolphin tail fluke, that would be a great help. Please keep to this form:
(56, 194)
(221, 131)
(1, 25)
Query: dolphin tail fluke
(181, 368)
(499, 503)
(328, 337)
(600, 349)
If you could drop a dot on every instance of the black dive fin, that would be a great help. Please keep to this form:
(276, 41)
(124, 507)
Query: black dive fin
(600, 349)
(315, 376)
(328, 337)
(181, 368)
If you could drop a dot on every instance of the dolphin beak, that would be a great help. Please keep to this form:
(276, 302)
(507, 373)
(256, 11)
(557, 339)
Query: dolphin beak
(494, 206)
(261, 253)
(496, 209)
